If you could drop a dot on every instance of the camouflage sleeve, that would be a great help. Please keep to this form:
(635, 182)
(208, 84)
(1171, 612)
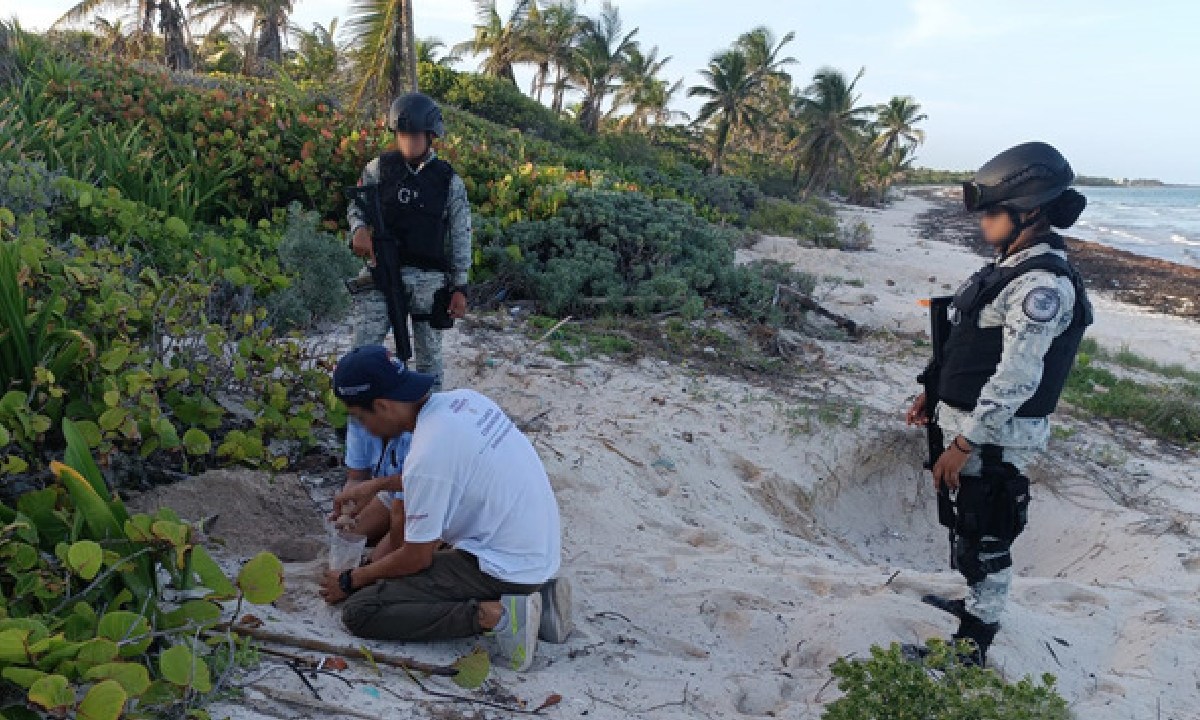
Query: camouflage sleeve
(1036, 309)
(459, 209)
(354, 217)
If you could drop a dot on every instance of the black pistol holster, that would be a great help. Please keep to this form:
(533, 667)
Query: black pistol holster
(987, 513)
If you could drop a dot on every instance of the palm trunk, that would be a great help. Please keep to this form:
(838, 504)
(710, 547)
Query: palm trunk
(269, 49)
(404, 52)
(539, 80)
(719, 145)
(170, 21)
(559, 90)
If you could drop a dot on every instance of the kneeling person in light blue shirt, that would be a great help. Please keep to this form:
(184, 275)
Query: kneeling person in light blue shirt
(373, 467)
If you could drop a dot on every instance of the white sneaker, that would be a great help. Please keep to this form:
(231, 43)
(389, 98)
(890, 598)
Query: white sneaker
(556, 623)
(517, 633)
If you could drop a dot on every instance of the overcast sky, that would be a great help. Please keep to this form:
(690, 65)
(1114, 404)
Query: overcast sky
(1115, 84)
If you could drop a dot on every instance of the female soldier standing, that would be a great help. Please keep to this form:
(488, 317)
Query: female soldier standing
(1015, 328)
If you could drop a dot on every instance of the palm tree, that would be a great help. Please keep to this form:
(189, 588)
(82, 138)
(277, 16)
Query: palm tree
(112, 37)
(229, 48)
(500, 41)
(382, 32)
(550, 34)
(732, 85)
(428, 50)
(833, 123)
(172, 21)
(641, 89)
(763, 51)
(318, 54)
(897, 124)
(598, 61)
(270, 23)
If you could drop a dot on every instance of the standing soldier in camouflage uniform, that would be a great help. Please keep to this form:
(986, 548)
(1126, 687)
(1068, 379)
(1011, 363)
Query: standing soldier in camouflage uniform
(424, 202)
(1015, 328)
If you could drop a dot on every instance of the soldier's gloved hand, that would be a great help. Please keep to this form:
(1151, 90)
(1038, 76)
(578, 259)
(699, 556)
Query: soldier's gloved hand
(362, 245)
(458, 306)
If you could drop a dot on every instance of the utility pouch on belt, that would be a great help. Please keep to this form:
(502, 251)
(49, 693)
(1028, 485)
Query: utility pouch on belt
(439, 317)
(993, 504)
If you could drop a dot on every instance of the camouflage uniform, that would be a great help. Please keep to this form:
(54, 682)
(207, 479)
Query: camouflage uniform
(369, 314)
(1033, 309)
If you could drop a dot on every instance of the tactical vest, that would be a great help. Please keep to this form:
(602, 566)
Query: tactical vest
(972, 353)
(414, 210)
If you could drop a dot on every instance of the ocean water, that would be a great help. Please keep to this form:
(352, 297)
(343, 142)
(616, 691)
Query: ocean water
(1161, 222)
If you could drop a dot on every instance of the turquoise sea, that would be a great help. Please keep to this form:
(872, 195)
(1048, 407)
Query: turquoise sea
(1161, 222)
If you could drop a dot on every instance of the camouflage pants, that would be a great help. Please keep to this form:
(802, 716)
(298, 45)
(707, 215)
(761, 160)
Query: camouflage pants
(988, 597)
(371, 324)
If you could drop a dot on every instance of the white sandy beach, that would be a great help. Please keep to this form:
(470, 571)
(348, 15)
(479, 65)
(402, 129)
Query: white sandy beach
(727, 542)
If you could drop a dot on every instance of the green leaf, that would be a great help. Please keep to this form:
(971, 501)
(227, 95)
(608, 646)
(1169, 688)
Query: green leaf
(159, 693)
(137, 528)
(80, 457)
(97, 651)
(181, 667)
(112, 418)
(472, 669)
(22, 557)
(13, 464)
(84, 558)
(176, 533)
(114, 358)
(105, 701)
(235, 275)
(5, 438)
(52, 693)
(211, 575)
(167, 434)
(197, 612)
(112, 398)
(197, 442)
(90, 432)
(96, 512)
(25, 677)
(261, 579)
(132, 676)
(14, 648)
(129, 630)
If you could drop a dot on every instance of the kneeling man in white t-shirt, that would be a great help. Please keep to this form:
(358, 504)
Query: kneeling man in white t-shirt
(471, 480)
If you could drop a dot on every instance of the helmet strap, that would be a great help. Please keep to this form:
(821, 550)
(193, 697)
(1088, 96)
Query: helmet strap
(1019, 226)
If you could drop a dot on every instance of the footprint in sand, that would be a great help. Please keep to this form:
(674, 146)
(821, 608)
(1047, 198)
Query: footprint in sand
(762, 696)
(1064, 596)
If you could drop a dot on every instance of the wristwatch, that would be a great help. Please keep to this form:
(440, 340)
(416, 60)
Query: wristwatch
(346, 582)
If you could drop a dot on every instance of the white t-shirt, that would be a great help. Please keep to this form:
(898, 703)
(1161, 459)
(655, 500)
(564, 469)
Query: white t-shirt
(472, 479)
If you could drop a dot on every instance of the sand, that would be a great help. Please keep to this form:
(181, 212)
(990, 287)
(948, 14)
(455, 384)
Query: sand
(728, 541)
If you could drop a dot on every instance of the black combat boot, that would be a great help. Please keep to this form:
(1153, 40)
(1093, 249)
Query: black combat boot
(978, 634)
(957, 607)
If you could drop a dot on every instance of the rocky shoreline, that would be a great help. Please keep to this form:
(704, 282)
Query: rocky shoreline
(1147, 282)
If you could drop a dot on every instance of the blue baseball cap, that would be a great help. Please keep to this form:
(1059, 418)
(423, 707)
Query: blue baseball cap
(368, 373)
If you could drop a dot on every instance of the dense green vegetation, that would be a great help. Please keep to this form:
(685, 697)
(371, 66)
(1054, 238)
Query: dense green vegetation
(1166, 405)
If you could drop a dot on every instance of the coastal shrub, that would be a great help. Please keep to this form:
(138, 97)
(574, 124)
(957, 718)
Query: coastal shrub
(320, 262)
(499, 101)
(613, 252)
(808, 221)
(886, 686)
(143, 357)
(856, 234)
(108, 614)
